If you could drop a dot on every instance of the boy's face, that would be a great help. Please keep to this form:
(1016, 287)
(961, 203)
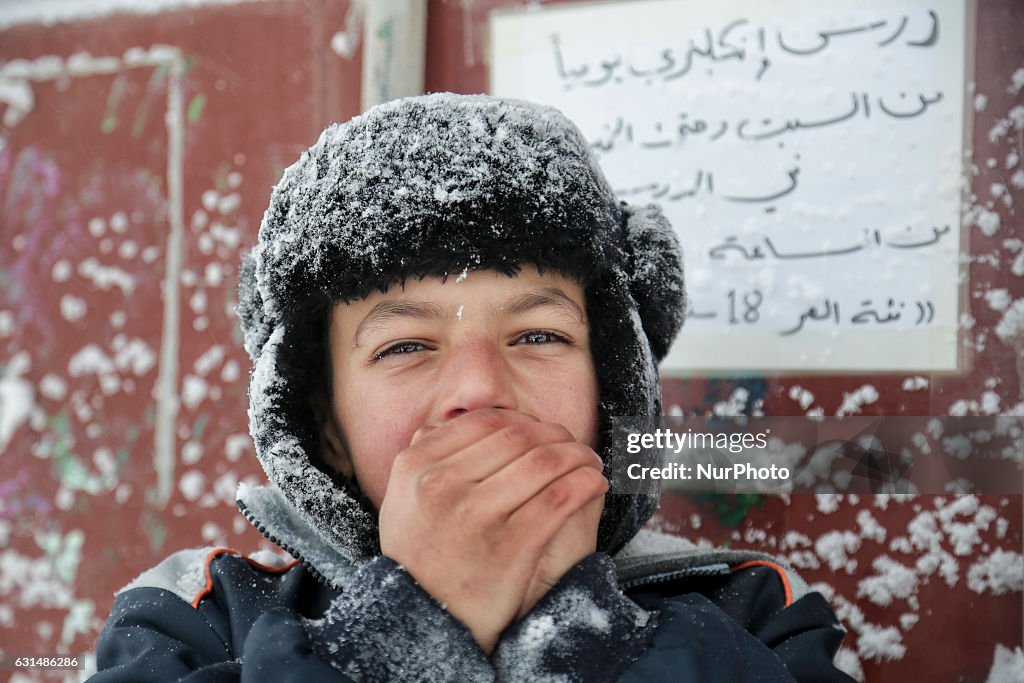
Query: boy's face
(415, 357)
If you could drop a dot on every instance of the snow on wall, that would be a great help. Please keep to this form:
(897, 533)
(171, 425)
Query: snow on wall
(81, 338)
(83, 335)
(50, 12)
(887, 563)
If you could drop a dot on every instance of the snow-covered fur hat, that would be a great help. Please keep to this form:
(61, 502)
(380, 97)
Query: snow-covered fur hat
(433, 186)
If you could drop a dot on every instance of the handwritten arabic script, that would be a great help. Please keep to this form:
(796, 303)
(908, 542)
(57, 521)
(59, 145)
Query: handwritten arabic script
(739, 40)
(872, 238)
(809, 159)
(655, 134)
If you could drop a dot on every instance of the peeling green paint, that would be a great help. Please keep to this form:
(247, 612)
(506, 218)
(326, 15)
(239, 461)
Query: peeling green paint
(68, 468)
(155, 528)
(75, 477)
(61, 428)
(731, 509)
(199, 426)
(8, 284)
(117, 89)
(139, 124)
(154, 93)
(195, 108)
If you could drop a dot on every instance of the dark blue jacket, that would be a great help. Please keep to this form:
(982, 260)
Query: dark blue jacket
(687, 614)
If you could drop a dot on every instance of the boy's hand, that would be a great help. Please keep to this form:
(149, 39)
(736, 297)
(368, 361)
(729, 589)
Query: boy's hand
(573, 542)
(474, 506)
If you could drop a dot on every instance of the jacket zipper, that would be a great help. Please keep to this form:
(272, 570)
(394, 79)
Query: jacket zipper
(291, 551)
(665, 577)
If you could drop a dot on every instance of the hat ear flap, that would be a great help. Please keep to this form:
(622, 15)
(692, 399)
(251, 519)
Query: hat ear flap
(656, 279)
(255, 327)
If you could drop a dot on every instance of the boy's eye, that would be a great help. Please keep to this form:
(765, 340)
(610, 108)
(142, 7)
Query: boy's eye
(399, 349)
(541, 337)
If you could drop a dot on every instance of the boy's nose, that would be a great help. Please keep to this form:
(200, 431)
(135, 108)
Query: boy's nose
(475, 376)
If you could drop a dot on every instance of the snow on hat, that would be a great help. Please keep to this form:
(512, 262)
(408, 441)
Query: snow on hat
(432, 186)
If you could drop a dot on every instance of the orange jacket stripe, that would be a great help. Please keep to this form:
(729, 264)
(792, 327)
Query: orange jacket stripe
(219, 551)
(778, 569)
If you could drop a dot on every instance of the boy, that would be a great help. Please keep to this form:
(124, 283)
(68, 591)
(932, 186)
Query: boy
(445, 308)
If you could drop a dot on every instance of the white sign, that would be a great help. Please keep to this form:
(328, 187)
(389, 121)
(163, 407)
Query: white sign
(809, 155)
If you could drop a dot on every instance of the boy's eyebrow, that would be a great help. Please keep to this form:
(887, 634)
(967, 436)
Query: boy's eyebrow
(396, 308)
(546, 297)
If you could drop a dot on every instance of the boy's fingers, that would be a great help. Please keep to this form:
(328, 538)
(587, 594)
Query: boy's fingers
(440, 480)
(536, 522)
(497, 450)
(527, 476)
(434, 444)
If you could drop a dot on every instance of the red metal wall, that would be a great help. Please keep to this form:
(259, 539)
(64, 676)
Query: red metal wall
(88, 174)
